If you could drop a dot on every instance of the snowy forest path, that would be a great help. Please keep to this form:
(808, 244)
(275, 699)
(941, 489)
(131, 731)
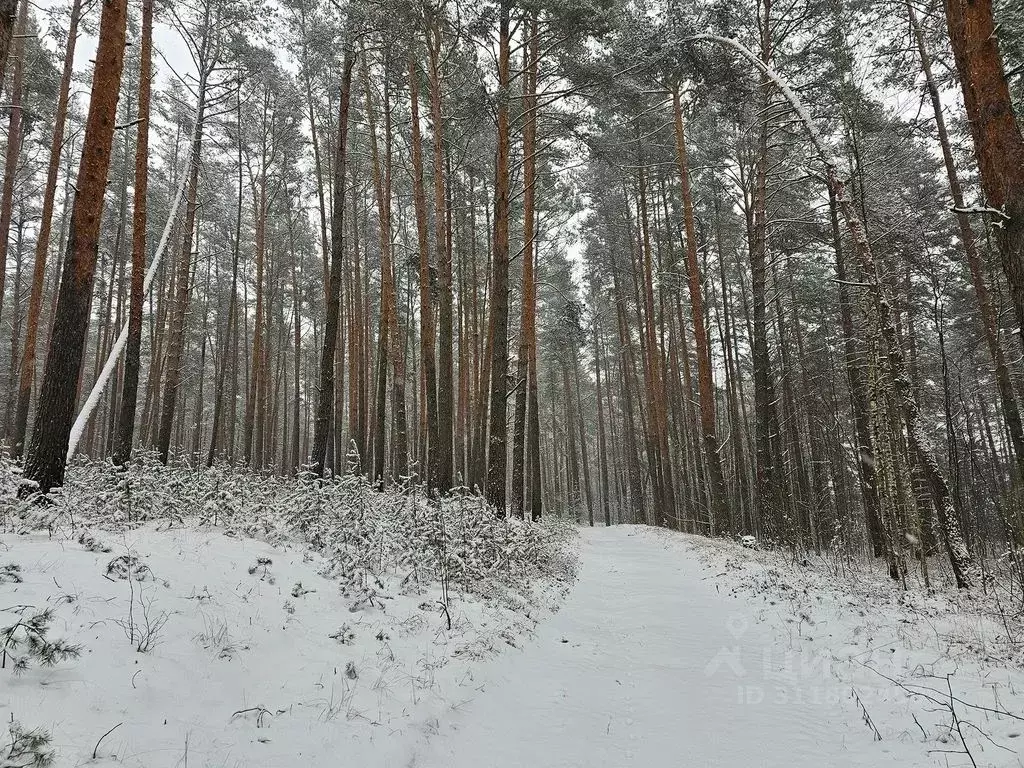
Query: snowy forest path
(647, 659)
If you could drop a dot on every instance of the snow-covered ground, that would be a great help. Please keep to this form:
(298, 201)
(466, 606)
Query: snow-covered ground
(649, 664)
(669, 650)
(681, 651)
(255, 658)
(939, 673)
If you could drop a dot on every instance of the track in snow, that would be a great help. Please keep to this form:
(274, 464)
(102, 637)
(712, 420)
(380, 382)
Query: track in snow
(647, 665)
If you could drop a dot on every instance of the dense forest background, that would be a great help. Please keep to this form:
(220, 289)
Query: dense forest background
(746, 268)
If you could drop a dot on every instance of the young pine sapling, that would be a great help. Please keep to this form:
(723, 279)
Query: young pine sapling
(27, 640)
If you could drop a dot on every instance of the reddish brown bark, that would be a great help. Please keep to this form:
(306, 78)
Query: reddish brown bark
(655, 375)
(391, 339)
(47, 450)
(998, 143)
(721, 520)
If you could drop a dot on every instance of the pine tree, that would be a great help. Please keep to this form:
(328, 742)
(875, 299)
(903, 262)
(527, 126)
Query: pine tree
(50, 436)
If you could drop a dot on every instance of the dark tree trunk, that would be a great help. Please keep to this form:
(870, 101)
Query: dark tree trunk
(498, 326)
(8, 17)
(14, 139)
(179, 313)
(325, 393)
(130, 388)
(443, 251)
(721, 519)
(527, 330)
(229, 354)
(428, 421)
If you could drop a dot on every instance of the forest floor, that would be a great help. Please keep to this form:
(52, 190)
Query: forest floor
(670, 650)
(221, 650)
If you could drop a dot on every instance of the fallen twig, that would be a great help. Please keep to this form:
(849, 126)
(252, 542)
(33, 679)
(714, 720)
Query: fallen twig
(95, 750)
(865, 716)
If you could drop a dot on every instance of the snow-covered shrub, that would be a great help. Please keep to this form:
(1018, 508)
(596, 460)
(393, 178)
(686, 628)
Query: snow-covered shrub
(345, 635)
(300, 591)
(128, 567)
(10, 475)
(262, 568)
(92, 544)
(10, 574)
(364, 534)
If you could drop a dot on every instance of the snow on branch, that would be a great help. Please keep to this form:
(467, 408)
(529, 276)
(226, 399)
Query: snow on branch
(786, 90)
(981, 209)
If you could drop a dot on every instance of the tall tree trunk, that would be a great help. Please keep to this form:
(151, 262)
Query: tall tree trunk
(443, 255)
(769, 497)
(179, 313)
(257, 382)
(737, 432)
(325, 392)
(293, 455)
(858, 396)
(357, 351)
(527, 326)
(14, 138)
(585, 459)
(392, 340)
(498, 325)
(630, 388)
(35, 301)
(721, 520)
(230, 347)
(48, 447)
(130, 388)
(428, 361)
(998, 142)
(19, 258)
(657, 418)
(315, 140)
(1004, 383)
(602, 446)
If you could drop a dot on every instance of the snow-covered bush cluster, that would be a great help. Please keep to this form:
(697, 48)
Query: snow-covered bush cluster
(10, 474)
(364, 534)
